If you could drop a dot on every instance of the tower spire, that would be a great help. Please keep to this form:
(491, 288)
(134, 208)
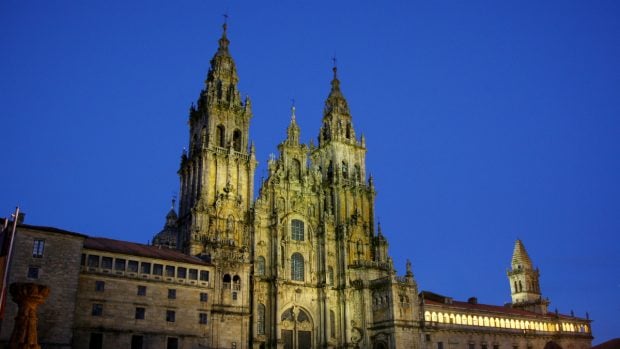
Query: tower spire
(524, 281)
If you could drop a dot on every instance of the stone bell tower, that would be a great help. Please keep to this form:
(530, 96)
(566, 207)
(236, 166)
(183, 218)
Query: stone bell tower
(524, 282)
(217, 188)
(217, 171)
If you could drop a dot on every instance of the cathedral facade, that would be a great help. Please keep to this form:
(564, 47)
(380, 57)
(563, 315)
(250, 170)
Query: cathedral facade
(299, 264)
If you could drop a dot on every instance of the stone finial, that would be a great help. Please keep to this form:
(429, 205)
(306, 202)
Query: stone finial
(28, 297)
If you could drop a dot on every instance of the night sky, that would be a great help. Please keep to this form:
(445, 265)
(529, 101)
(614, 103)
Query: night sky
(485, 121)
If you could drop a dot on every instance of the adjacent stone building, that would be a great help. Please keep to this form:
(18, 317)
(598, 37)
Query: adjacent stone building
(302, 264)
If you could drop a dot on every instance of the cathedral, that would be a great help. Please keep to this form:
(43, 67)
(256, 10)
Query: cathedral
(301, 263)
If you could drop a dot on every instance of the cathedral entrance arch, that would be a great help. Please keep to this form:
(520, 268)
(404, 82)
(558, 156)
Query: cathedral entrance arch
(552, 345)
(296, 327)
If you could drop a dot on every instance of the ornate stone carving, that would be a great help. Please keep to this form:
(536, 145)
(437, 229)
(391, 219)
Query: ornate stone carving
(28, 297)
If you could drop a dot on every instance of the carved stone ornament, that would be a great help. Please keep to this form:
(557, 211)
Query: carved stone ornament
(28, 297)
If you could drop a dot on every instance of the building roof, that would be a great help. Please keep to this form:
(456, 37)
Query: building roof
(132, 248)
(430, 298)
(50, 230)
(610, 344)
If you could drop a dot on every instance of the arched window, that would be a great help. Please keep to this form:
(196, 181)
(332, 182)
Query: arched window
(427, 316)
(260, 265)
(357, 174)
(236, 282)
(226, 281)
(348, 130)
(297, 267)
(332, 324)
(237, 140)
(345, 170)
(297, 230)
(219, 89)
(330, 276)
(520, 286)
(221, 136)
(260, 319)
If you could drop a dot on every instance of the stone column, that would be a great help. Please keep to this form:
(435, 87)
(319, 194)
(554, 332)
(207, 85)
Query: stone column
(28, 296)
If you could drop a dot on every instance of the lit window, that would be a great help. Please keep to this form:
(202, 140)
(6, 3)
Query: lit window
(297, 230)
(37, 248)
(97, 309)
(297, 267)
(172, 293)
(140, 313)
(33, 272)
(202, 318)
(141, 290)
(170, 315)
(204, 297)
(99, 286)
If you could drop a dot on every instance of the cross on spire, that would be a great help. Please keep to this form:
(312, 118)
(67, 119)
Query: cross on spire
(225, 26)
(335, 67)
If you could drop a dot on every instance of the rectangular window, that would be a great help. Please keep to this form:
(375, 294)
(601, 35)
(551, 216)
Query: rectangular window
(483, 346)
(83, 259)
(202, 318)
(132, 266)
(97, 309)
(204, 297)
(204, 275)
(193, 274)
(96, 341)
(170, 315)
(140, 313)
(136, 342)
(106, 262)
(472, 346)
(427, 337)
(93, 261)
(173, 343)
(119, 264)
(141, 290)
(439, 345)
(495, 346)
(146, 268)
(99, 286)
(181, 273)
(170, 271)
(37, 248)
(33, 272)
(158, 269)
(234, 296)
(172, 293)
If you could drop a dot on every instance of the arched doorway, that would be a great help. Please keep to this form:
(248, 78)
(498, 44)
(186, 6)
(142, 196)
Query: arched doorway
(296, 328)
(552, 345)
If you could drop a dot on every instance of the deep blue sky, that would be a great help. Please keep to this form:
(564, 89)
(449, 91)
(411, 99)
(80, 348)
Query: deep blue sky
(485, 121)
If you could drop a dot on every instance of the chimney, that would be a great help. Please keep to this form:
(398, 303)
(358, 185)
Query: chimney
(472, 300)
